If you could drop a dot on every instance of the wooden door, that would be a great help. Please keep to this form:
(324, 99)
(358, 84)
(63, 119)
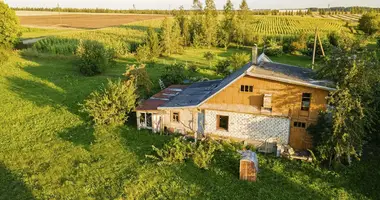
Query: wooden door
(299, 138)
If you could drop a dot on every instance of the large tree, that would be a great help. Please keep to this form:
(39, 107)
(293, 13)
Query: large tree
(9, 27)
(165, 37)
(354, 115)
(225, 31)
(369, 23)
(210, 23)
(153, 43)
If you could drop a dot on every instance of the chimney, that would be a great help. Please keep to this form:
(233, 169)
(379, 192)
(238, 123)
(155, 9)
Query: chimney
(254, 55)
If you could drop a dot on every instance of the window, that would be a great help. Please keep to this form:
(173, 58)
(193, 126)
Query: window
(306, 101)
(142, 119)
(300, 124)
(246, 88)
(149, 120)
(267, 101)
(175, 117)
(222, 122)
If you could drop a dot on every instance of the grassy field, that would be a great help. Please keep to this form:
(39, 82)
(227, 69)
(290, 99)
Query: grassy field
(48, 151)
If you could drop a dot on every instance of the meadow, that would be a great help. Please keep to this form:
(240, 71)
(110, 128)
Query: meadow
(49, 151)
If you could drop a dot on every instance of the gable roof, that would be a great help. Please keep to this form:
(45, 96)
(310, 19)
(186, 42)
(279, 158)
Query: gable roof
(200, 92)
(289, 74)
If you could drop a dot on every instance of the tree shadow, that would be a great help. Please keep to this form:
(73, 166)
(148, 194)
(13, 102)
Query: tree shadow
(11, 187)
(81, 135)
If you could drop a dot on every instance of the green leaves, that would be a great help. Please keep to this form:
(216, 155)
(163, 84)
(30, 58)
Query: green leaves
(9, 27)
(110, 105)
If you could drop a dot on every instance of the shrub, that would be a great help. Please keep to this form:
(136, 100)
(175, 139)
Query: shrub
(174, 74)
(133, 47)
(273, 49)
(238, 60)
(94, 57)
(209, 56)
(192, 68)
(222, 67)
(378, 42)
(110, 105)
(176, 151)
(56, 45)
(4, 56)
(10, 30)
(369, 23)
(141, 76)
(143, 54)
(204, 153)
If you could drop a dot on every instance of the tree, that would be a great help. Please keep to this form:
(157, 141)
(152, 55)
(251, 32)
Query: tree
(222, 67)
(356, 74)
(176, 39)
(141, 77)
(184, 24)
(226, 28)
(238, 60)
(244, 9)
(210, 23)
(111, 105)
(369, 23)
(143, 54)
(209, 56)
(9, 27)
(153, 43)
(94, 58)
(165, 37)
(174, 74)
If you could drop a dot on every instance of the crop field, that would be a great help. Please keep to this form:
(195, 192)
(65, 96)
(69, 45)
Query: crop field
(85, 21)
(290, 25)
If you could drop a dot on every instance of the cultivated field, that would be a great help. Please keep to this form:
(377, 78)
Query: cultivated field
(86, 21)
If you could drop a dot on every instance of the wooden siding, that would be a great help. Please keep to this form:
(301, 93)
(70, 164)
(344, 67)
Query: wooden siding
(286, 102)
(286, 98)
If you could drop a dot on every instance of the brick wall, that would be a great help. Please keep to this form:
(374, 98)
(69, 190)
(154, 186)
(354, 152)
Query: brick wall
(248, 126)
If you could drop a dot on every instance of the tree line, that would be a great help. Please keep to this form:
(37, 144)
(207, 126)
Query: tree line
(299, 12)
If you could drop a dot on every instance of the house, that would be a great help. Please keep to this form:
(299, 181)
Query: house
(262, 100)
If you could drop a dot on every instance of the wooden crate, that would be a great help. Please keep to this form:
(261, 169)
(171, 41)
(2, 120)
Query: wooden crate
(248, 170)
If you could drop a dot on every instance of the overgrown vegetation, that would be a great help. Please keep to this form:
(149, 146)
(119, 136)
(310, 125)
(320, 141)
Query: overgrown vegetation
(94, 58)
(112, 104)
(10, 30)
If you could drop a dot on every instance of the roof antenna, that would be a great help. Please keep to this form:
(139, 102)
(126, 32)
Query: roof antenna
(162, 85)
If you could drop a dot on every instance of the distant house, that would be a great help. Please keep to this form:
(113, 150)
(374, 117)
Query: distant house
(260, 101)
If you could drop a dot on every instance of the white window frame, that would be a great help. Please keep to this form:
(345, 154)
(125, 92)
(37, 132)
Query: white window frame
(145, 124)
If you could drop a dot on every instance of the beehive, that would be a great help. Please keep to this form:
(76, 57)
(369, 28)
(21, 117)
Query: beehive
(248, 166)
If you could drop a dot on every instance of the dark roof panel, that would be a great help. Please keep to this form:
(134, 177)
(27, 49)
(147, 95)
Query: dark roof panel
(198, 92)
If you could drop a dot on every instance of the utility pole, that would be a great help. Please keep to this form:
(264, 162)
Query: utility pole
(315, 47)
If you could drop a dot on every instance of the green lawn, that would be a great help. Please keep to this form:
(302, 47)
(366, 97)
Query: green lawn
(48, 151)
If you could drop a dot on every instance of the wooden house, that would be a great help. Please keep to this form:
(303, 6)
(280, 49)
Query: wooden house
(263, 100)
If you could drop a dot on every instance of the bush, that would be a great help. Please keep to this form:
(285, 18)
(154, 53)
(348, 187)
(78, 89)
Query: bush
(133, 47)
(204, 153)
(274, 51)
(56, 45)
(192, 68)
(238, 60)
(222, 67)
(209, 56)
(143, 54)
(4, 56)
(10, 30)
(179, 150)
(111, 105)
(176, 151)
(140, 74)
(94, 57)
(378, 42)
(369, 23)
(174, 74)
